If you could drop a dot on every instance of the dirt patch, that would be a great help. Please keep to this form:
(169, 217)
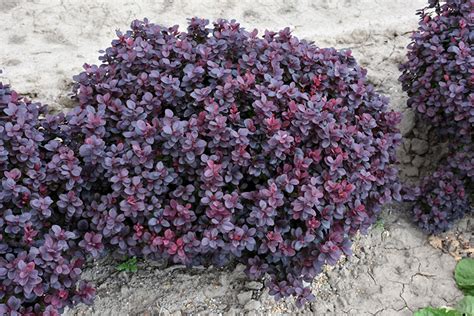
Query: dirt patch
(395, 268)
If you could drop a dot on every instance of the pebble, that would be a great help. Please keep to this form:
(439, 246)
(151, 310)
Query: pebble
(244, 297)
(405, 158)
(407, 123)
(253, 305)
(417, 161)
(419, 146)
(406, 144)
(411, 171)
(254, 285)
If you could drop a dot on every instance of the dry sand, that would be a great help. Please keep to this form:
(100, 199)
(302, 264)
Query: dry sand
(395, 269)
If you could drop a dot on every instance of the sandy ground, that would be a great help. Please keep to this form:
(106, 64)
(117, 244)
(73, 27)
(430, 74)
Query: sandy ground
(395, 269)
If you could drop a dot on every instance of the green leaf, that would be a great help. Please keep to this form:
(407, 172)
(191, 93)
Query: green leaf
(379, 224)
(466, 306)
(440, 311)
(129, 266)
(464, 276)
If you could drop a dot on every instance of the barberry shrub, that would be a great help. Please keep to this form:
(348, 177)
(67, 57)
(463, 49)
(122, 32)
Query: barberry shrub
(441, 199)
(437, 74)
(40, 261)
(438, 79)
(214, 145)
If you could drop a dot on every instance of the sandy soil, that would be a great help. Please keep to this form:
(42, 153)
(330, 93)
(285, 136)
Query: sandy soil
(395, 269)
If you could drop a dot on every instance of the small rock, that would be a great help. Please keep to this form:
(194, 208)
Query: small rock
(212, 292)
(254, 285)
(239, 271)
(419, 146)
(407, 123)
(411, 171)
(406, 158)
(402, 155)
(406, 144)
(253, 305)
(244, 297)
(417, 161)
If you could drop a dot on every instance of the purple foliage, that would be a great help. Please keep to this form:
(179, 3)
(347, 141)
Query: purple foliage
(438, 80)
(39, 262)
(440, 200)
(438, 73)
(215, 144)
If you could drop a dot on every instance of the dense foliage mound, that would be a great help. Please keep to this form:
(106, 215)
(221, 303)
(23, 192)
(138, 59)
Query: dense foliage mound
(439, 83)
(441, 199)
(199, 147)
(437, 75)
(214, 145)
(40, 261)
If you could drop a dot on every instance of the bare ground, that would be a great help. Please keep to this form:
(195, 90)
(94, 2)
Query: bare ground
(395, 268)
